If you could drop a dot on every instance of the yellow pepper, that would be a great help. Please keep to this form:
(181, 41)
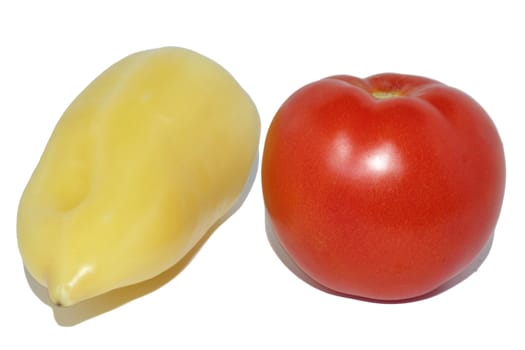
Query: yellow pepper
(153, 153)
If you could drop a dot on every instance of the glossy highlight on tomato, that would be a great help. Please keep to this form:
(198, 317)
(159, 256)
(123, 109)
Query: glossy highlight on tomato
(385, 187)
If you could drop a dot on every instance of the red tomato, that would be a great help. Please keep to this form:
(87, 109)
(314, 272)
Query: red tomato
(385, 187)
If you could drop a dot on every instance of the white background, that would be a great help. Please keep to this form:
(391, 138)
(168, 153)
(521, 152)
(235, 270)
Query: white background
(236, 293)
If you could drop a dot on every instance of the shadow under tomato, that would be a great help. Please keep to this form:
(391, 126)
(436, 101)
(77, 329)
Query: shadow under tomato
(292, 266)
(72, 315)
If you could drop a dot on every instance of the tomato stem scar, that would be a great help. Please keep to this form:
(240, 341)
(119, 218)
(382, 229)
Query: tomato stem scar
(383, 95)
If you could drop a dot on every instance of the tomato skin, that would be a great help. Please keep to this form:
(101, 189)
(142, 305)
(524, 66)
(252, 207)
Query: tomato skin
(385, 187)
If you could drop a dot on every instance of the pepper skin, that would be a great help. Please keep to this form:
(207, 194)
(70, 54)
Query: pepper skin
(153, 153)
